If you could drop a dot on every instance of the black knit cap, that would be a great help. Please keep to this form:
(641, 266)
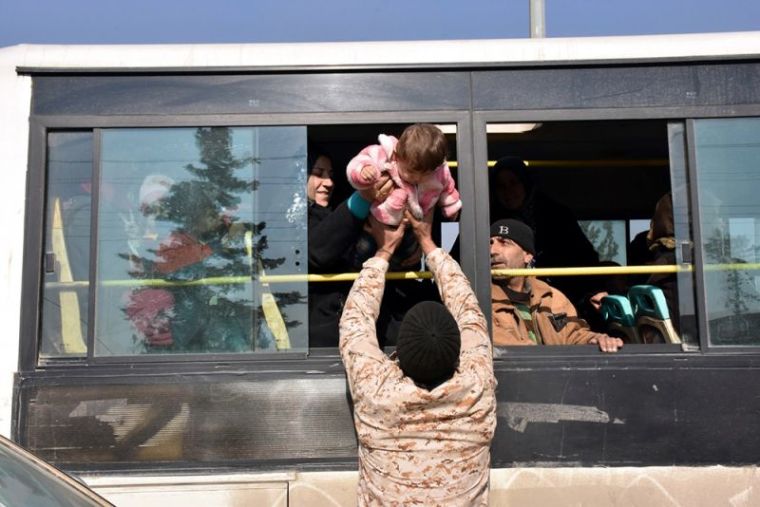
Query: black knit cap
(428, 344)
(517, 231)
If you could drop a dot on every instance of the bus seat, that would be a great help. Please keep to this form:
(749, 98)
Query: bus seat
(652, 316)
(618, 313)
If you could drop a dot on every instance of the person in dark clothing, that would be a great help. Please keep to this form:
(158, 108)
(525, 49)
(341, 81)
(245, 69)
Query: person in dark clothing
(560, 242)
(638, 254)
(662, 245)
(332, 236)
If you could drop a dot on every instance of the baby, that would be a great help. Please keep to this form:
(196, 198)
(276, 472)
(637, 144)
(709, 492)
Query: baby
(416, 163)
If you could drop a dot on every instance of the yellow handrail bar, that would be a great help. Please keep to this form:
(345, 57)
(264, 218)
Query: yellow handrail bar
(410, 275)
(597, 163)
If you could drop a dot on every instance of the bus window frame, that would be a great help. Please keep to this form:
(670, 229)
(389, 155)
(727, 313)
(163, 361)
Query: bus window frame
(474, 113)
(698, 236)
(480, 121)
(40, 126)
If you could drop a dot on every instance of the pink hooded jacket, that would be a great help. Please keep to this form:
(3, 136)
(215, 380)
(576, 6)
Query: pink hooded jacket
(436, 187)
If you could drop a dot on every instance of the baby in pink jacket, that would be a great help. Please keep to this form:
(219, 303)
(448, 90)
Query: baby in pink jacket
(416, 163)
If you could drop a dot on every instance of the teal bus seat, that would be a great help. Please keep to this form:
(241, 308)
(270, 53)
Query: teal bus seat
(618, 313)
(651, 313)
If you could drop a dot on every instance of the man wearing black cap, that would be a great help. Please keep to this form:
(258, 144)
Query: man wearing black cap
(424, 419)
(559, 239)
(528, 311)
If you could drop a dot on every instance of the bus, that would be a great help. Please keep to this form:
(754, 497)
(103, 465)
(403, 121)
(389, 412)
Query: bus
(156, 278)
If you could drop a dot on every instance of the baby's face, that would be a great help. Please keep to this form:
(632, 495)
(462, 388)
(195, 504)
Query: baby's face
(407, 175)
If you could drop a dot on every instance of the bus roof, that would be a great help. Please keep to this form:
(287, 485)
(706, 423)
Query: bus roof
(29, 58)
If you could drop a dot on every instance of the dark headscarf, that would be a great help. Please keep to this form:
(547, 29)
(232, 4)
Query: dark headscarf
(661, 229)
(517, 166)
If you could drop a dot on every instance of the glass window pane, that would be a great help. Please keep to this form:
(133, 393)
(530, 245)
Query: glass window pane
(729, 182)
(589, 190)
(193, 223)
(67, 245)
(608, 238)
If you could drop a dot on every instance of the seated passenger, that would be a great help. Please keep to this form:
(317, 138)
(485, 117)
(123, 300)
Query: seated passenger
(560, 242)
(528, 311)
(662, 244)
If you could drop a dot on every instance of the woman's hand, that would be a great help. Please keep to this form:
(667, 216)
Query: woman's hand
(380, 190)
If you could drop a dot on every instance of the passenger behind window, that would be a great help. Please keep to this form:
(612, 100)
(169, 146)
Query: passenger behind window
(638, 254)
(333, 237)
(560, 242)
(528, 311)
(662, 243)
(333, 234)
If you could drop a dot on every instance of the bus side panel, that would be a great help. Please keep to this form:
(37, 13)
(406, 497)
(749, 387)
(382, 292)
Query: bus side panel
(621, 411)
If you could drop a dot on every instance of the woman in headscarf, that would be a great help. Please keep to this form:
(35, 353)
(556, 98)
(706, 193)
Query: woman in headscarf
(560, 242)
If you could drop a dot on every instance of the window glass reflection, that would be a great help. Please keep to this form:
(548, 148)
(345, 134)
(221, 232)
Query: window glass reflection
(199, 221)
(67, 245)
(729, 182)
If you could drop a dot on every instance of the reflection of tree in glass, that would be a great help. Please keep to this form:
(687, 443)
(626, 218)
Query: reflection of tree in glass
(208, 239)
(602, 238)
(739, 283)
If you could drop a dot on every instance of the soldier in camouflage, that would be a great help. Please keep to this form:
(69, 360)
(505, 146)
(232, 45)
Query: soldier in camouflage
(425, 416)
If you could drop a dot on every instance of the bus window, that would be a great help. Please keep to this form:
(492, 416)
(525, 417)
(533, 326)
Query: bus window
(339, 243)
(727, 151)
(207, 215)
(585, 188)
(193, 228)
(67, 245)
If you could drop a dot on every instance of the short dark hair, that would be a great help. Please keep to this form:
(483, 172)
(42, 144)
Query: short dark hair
(422, 147)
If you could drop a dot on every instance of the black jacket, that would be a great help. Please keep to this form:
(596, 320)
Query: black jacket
(332, 236)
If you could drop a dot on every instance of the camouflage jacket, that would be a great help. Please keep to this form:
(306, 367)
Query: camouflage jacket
(420, 447)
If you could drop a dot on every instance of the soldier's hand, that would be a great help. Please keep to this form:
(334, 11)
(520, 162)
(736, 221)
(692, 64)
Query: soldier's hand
(387, 237)
(423, 230)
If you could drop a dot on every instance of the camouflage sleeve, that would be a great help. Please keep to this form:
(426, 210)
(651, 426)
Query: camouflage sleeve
(460, 300)
(358, 338)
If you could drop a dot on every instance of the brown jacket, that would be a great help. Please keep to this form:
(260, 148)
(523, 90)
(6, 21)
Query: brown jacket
(555, 320)
(420, 447)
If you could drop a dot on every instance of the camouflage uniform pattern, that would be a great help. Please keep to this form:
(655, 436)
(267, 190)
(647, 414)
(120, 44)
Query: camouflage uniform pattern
(420, 447)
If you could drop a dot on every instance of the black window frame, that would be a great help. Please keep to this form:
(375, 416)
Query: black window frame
(485, 103)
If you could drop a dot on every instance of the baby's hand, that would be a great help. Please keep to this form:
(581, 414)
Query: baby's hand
(368, 174)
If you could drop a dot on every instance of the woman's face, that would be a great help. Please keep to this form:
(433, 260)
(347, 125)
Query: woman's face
(319, 186)
(510, 191)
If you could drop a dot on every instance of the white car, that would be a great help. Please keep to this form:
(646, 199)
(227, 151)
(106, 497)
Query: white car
(28, 481)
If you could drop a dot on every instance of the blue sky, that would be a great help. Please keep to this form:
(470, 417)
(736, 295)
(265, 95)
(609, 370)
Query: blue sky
(196, 21)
